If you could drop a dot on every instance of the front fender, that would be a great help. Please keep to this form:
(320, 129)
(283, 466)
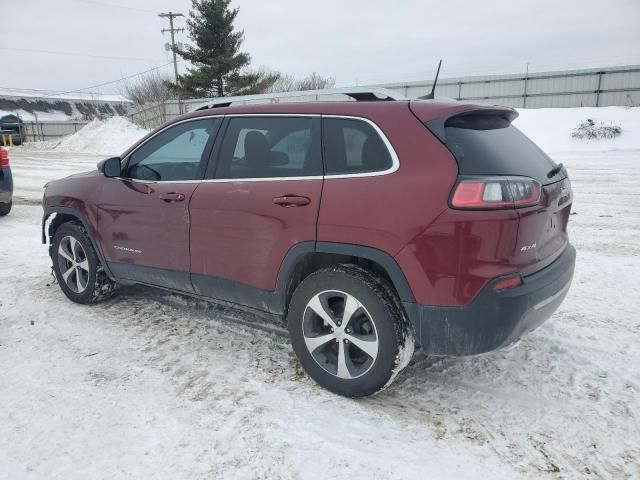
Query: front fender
(56, 216)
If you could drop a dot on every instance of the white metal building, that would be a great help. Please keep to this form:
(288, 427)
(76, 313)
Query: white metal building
(596, 87)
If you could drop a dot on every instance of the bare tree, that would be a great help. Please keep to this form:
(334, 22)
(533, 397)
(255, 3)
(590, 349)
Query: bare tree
(285, 83)
(148, 89)
(288, 83)
(315, 82)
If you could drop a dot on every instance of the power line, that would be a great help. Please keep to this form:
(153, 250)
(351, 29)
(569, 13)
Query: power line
(108, 83)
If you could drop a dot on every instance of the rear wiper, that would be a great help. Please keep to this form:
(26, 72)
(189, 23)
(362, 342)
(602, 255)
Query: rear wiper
(555, 170)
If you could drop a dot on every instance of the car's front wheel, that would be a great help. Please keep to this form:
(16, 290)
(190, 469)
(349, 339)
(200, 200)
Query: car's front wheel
(348, 330)
(77, 267)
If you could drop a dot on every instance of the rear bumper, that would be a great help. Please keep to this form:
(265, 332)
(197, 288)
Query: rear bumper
(494, 320)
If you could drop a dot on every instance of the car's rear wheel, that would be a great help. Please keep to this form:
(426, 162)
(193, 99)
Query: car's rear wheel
(5, 208)
(348, 330)
(77, 267)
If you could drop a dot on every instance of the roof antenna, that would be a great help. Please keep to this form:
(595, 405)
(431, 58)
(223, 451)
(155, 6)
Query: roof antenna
(432, 95)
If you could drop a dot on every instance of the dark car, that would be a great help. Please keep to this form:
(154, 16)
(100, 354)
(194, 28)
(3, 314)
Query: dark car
(371, 227)
(11, 130)
(6, 183)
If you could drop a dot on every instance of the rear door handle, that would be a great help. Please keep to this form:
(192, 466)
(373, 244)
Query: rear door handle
(172, 197)
(291, 201)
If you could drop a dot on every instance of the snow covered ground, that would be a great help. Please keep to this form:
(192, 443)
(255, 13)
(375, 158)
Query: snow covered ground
(155, 385)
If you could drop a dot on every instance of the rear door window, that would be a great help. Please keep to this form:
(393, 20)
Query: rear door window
(269, 147)
(353, 146)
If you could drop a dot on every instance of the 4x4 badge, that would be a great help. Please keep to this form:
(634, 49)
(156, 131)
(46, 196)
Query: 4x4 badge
(528, 247)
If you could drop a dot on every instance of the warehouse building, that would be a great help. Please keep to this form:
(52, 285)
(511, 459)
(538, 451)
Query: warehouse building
(596, 87)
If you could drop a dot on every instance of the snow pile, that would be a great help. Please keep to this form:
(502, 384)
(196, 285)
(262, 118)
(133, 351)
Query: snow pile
(551, 128)
(106, 137)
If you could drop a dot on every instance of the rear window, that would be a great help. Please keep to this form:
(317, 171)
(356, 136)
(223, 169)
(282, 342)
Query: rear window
(492, 146)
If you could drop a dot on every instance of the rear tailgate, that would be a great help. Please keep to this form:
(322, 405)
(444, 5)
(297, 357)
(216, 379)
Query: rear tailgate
(542, 233)
(484, 143)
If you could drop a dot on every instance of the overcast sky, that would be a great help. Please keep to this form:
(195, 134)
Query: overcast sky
(72, 44)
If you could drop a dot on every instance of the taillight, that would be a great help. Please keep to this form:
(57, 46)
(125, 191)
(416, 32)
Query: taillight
(4, 158)
(483, 193)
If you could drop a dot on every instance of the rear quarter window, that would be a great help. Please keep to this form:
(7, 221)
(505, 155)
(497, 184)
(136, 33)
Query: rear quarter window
(353, 146)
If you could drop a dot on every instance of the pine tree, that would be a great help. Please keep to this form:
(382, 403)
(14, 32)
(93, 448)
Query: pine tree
(217, 64)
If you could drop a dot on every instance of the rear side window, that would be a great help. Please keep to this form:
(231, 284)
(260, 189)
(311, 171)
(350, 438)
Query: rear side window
(353, 146)
(483, 145)
(269, 147)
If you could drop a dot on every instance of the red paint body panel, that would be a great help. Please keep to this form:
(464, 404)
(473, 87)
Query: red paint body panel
(79, 192)
(387, 211)
(139, 228)
(450, 261)
(240, 234)
(546, 226)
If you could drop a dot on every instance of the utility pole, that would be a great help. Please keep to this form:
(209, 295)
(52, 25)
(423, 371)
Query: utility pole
(171, 16)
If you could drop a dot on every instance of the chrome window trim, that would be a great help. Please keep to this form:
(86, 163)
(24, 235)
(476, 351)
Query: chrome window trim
(395, 161)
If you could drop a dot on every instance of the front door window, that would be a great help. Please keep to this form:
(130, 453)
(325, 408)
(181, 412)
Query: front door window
(177, 154)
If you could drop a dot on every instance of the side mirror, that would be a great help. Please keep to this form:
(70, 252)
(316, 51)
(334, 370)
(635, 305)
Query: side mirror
(110, 167)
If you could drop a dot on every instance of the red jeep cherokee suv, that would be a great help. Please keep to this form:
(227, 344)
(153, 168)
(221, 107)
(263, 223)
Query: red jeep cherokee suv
(370, 227)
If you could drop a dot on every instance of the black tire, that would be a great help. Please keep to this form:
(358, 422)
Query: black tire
(5, 208)
(378, 304)
(98, 285)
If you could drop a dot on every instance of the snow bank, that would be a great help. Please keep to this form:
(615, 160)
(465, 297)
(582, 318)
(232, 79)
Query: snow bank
(106, 137)
(551, 128)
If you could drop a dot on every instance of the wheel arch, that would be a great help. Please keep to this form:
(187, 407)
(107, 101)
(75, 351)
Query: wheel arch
(62, 216)
(308, 257)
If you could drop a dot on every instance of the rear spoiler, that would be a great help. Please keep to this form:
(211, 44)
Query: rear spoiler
(476, 119)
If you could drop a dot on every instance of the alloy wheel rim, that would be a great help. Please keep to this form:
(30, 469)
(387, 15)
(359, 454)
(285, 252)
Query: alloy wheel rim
(340, 334)
(73, 263)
